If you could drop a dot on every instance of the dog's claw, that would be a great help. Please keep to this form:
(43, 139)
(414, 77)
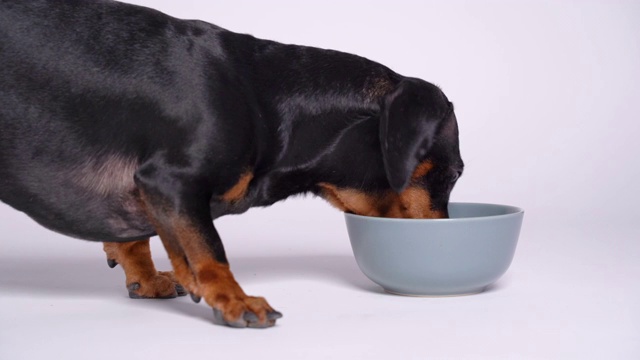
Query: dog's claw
(248, 319)
(133, 295)
(132, 291)
(112, 263)
(218, 319)
(195, 298)
(274, 315)
(180, 290)
(133, 286)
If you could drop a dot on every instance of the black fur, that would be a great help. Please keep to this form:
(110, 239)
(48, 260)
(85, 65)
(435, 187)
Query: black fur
(99, 99)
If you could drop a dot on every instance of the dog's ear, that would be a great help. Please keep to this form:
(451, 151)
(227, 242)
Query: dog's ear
(408, 124)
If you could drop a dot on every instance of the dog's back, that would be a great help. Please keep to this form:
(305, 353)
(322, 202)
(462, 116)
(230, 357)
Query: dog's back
(93, 89)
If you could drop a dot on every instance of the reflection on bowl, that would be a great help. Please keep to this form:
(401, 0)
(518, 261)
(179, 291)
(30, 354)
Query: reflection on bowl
(437, 257)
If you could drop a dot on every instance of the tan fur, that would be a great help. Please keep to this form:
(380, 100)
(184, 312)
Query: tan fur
(414, 202)
(198, 271)
(352, 200)
(135, 259)
(239, 190)
(181, 268)
(214, 281)
(422, 169)
(171, 243)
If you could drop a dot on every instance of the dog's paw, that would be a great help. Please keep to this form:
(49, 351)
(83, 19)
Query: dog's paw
(161, 286)
(180, 290)
(252, 312)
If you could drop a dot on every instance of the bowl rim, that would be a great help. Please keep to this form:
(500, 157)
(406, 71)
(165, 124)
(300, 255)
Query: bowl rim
(514, 212)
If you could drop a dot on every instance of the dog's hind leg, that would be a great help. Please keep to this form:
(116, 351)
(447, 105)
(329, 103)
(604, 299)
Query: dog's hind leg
(143, 280)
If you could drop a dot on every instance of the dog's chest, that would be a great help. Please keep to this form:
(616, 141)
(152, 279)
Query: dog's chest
(262, 191)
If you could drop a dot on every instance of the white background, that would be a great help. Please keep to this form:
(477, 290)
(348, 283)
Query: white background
(547, 96)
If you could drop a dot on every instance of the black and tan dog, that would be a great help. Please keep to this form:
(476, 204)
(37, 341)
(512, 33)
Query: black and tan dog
(118, 123)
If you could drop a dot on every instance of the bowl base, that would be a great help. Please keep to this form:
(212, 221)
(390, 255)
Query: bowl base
(465, 293)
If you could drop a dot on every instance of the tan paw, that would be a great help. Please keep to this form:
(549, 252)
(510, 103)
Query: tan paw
(160, 286)
(250, 311)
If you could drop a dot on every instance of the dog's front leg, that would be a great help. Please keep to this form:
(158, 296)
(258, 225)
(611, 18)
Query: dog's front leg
(182, 219)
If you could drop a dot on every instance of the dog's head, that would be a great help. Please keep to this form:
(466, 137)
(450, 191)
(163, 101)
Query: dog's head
(420, 155)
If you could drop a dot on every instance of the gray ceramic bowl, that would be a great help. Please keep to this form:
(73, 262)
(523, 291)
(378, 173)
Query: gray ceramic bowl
(437, 257)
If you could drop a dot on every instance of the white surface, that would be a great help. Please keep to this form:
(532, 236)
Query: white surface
(547, 97)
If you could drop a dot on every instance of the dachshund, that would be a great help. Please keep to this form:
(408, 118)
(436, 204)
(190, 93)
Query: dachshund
(118, 123)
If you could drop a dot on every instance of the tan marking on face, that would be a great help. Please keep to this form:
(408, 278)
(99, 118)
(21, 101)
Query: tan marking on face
(352, 200)
(422, 169)
(239, 190)
(413, 203)
(330, 193)
(416, 204)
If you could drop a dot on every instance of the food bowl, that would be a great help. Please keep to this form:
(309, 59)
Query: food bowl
(461, 255)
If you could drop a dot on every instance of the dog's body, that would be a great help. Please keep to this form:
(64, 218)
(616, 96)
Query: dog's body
(119, 122)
